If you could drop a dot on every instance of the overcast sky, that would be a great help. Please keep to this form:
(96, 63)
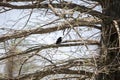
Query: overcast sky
(16, 19)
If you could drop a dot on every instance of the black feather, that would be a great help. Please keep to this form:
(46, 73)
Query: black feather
(59, 40)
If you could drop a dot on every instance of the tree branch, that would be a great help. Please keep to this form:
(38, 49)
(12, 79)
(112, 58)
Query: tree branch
(41, 74)
(80, 22)
(63, 5)
(20, 0)
(50, 70)
(41, 47)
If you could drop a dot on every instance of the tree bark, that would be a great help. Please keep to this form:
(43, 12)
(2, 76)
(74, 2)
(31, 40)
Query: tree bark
(110, 59)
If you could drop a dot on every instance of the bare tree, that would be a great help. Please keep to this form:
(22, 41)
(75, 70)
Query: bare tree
(29, 49)
(110, 55)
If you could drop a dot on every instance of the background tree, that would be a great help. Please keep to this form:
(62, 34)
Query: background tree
(25, 43)
(110, 40)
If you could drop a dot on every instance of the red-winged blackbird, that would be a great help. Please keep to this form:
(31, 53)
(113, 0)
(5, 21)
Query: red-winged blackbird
(59, 40)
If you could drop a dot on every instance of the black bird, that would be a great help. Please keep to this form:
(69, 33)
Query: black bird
(59, 40)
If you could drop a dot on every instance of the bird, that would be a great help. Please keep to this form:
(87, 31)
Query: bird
(59, 40)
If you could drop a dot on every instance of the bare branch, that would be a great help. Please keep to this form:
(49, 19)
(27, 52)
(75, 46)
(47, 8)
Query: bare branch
(36, 48)
(63, 5)
(41, 74)
(76, 23)
(18, 0)
(53, 70)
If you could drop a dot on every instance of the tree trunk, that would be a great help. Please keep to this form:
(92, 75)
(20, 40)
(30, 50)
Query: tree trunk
(9, 68)
(110, 58)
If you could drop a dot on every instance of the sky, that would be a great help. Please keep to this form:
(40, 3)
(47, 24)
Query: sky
(16, 19)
